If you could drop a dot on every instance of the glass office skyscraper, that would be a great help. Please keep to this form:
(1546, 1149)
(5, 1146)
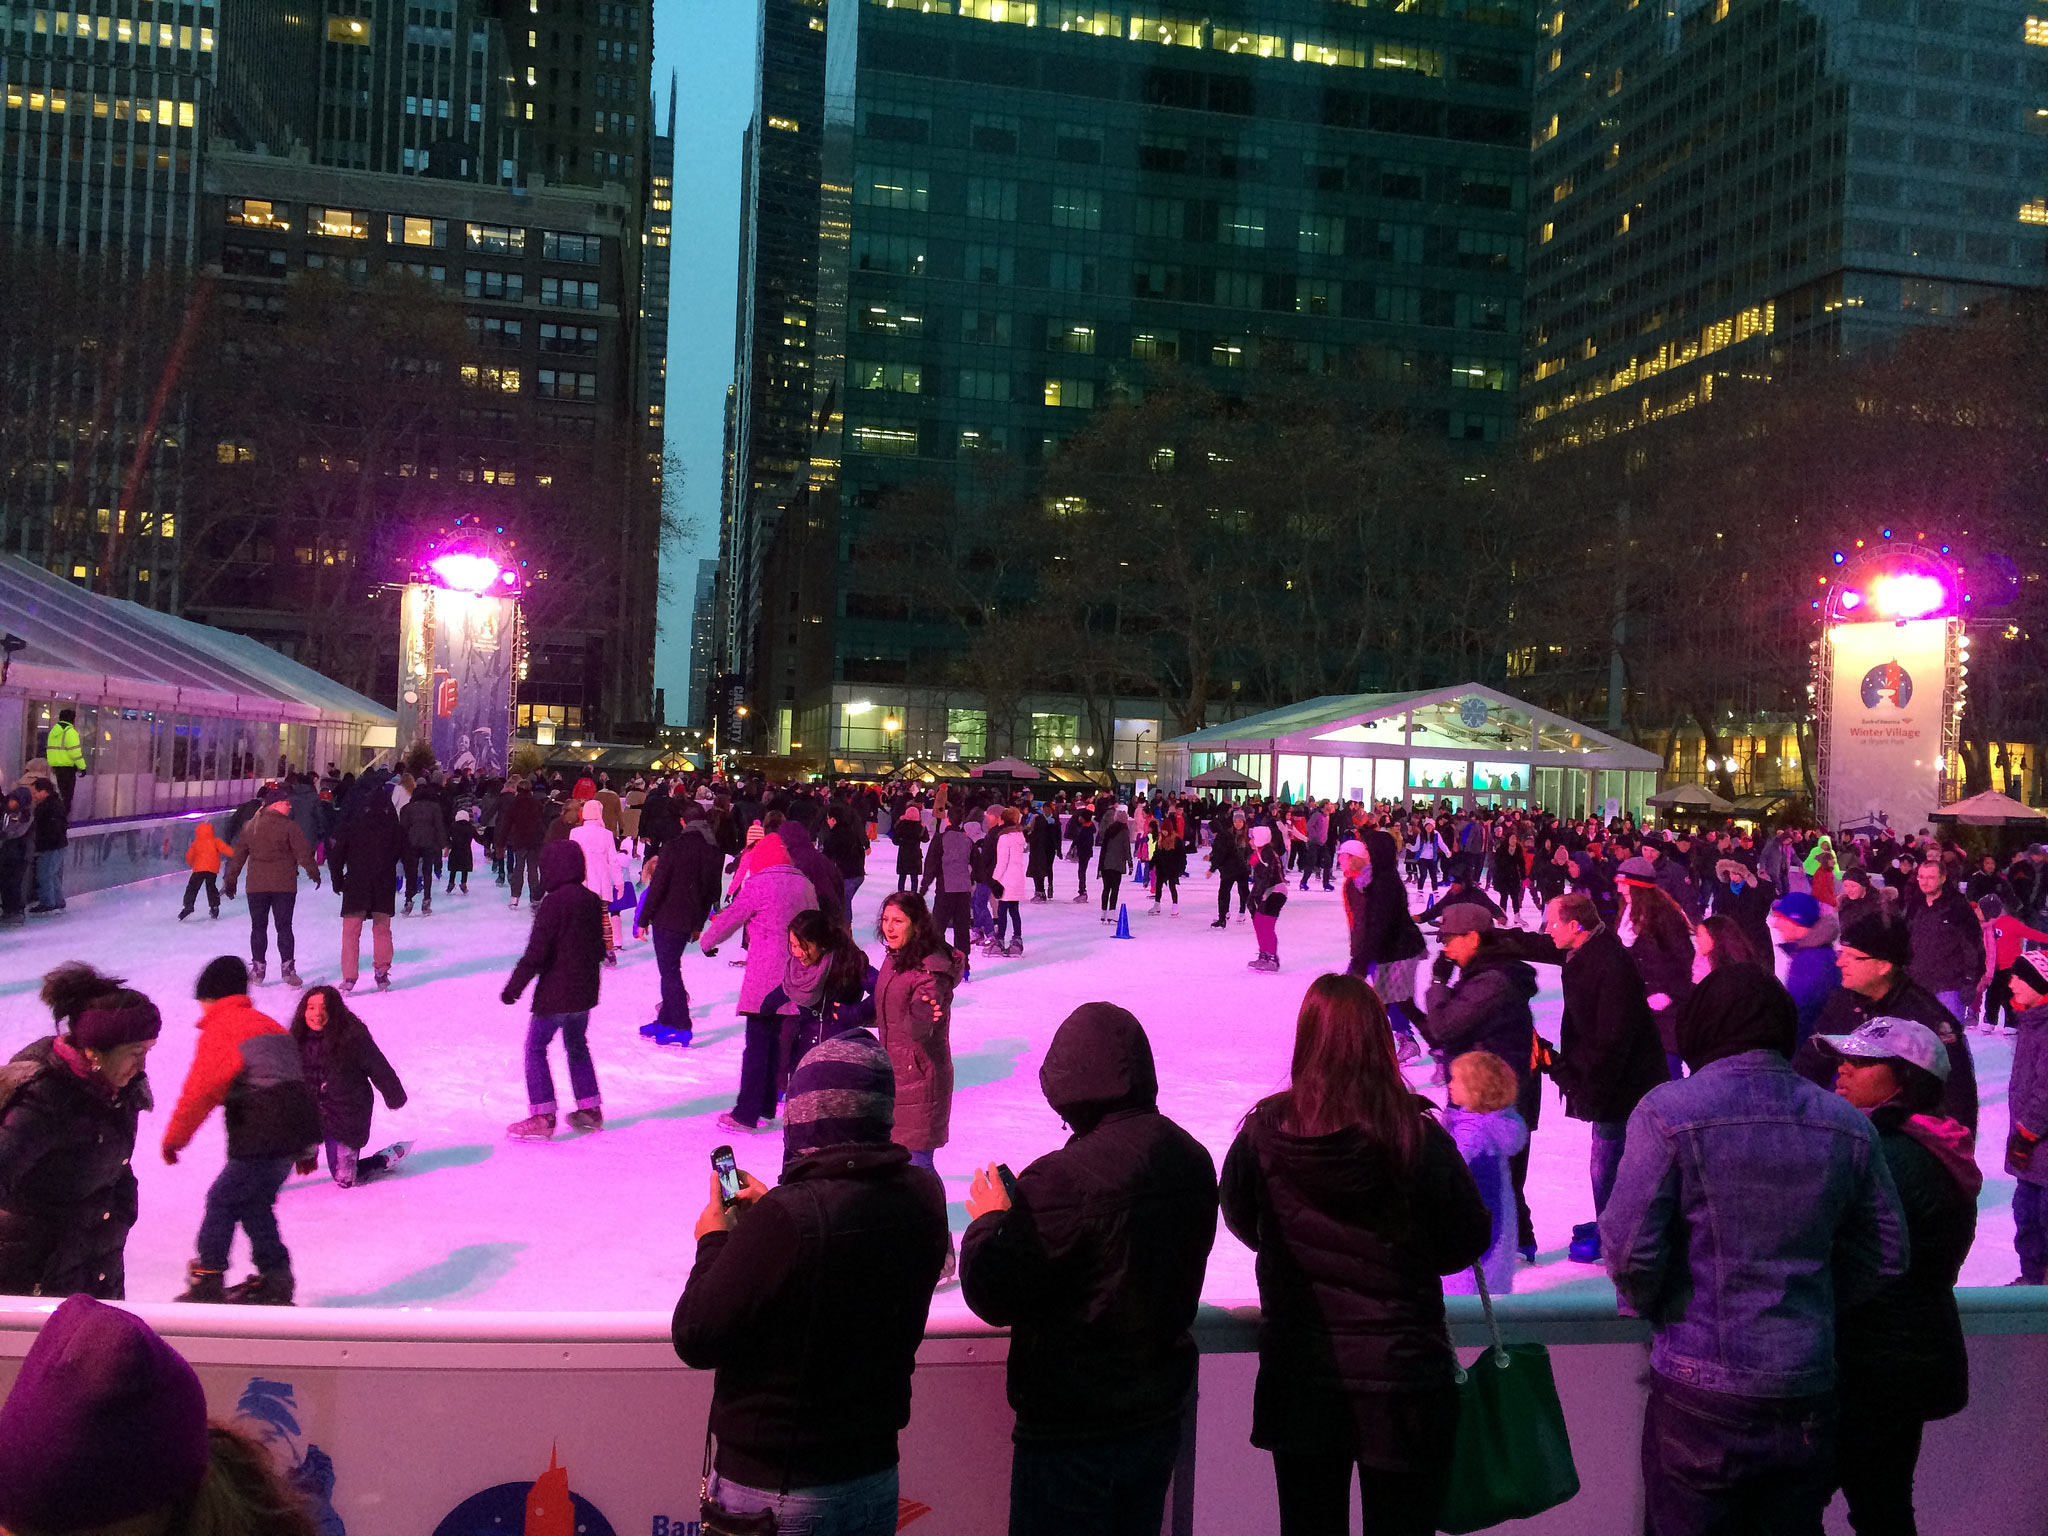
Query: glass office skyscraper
(1025, 204)
(1719, 184)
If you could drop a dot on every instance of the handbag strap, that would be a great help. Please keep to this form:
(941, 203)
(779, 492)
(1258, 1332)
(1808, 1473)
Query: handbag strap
(1500, 1349)
(803, 1370)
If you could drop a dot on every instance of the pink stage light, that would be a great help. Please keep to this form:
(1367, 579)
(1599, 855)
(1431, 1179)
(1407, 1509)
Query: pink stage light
(465, 573)
(1851, 601)
(1908, 595)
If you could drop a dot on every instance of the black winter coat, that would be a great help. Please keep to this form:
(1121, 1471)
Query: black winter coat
(1610, 1053)
(908, 836)
(1381, 928)
(345, 1070)
(523, 823)
(1044, 837)
(1845, 1012)
(425, 822)
(369, 850)
(1097, 1270)
(1354, 1357)
(845, 843)
(1904, 1345)
(67, 1190)
(1948, 941)
(566, 948)
(684, 886)
(1488, 1010)
(812, 1311)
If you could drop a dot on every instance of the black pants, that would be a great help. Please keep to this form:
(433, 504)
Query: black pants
(1041, 886)
(1092, 1487)
(1518, 1175)
(263, 906)
(1242, 886)
(1721, 1464)
(1315, 1497)
(1081, 877)
(207, 880)
(422, 866)
(758, 1062)
(1112, 881)
(1875, 1459)
(955, 910)
(67, 780)
(1166, 885)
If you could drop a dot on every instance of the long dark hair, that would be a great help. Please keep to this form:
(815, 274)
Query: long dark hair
(1731, 945)
(1658, 920)
(923, 940)
(1345, 1074)
(338, 1016)
(849, 969)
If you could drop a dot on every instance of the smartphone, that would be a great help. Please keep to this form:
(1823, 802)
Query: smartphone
(1009, 1181)
(728, 1173)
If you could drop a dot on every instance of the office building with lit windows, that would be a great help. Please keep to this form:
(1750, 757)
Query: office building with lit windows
(1722, 185)
(1028, 202)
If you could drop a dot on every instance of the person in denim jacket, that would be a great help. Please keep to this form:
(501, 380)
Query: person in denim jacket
(1749, 1206)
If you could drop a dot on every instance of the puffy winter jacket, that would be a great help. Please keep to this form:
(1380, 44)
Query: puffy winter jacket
(948, 864)
(774, 893)
(367, 853)
(1097, 1270)
(1610, 1053)
(1487, 1009)
(67, 1187)
(207, 850)
(346, 1070)
(601, 872)
(1351, 1252)
(565, 950)
(1381, 929)
(425, 822)
(248, 1062)
(920, 1046)
(908, 836)
(1115, 856)
(1487, 1143)
(811, 1311)
(845, 843)
(1012, 872)
(522, 823)
(1810, 973)
(274, 850)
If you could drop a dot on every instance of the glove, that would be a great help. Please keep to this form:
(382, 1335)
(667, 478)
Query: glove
(306, 1165)
(170, 1156)
(2019, 1147)
(1440, 970)
(509, 996)
(1546, 1055)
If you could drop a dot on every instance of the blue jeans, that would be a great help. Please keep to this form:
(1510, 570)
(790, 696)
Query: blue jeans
(1721, 1464)
(522, 868)
(862, 1506)
(50, 878)
(1953, 1002)
(669, 944)
(540, 1081)
(2030, 1230)
(1092, 1487)
(245, 1194)
(1607, 1141)
(1009, 916)
(853, 885)
(759, 1058)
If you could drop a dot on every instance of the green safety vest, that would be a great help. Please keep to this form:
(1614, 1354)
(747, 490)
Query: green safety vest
(64, 750)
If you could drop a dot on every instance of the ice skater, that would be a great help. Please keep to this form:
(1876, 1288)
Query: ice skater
(564, 959)
(204, 858)
(1269, 895)
(462, 841)
(346, 1071)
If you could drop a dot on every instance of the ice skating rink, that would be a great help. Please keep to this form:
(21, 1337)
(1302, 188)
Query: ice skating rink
(602, 1221)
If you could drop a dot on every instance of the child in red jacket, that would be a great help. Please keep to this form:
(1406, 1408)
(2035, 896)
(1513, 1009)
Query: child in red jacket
(203, 859)
(2004, 936)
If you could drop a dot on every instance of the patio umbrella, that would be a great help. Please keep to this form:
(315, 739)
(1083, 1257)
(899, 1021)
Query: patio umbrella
(1689, 797)
(1989, 809)
(1221, 777)
(998, 767)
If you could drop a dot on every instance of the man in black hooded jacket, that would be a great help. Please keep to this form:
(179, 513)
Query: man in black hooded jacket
(1097, 1271)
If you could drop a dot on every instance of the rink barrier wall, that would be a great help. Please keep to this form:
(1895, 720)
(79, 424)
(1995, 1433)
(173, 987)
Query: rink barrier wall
(104, 854)
(405, 1416)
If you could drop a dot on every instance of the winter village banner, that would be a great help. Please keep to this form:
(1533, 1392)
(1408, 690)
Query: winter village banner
(1884, 721)
(458, 656)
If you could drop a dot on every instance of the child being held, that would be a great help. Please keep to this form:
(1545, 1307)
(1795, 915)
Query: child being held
(1483, 1122)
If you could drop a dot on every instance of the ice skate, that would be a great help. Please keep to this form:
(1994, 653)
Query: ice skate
(426, 906)
(515, 903)
(203, 1284)
(1176, 910)
(586, 1120)
(348, 985)
(395, 1154)
(290, 976)
(1078, 900)
(532, 1128)
(729, 1122)
(1153, 911)
(1585, 1244)
(1016, 948)
(256, 970)
(1407, 1051)
(1221, 922)
(383, 981)
(673, 1039)
(407, 910)
(651, 1029)
(271, 1290)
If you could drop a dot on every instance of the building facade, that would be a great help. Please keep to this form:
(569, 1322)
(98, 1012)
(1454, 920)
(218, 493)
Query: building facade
(1723, 185)
(1026, 207)
(703, 644)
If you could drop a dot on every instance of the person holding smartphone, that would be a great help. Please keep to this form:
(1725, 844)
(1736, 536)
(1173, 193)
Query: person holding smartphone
(1093, 1257)
(809, 1300)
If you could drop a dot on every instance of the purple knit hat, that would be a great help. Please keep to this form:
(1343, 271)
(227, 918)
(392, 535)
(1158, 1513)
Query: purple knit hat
(106, 1421)
(102, 1026)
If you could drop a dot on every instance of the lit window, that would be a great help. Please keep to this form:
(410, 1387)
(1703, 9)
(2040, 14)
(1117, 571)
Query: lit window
(890, 186)
(400, 229)
(475, 376)
(256, 213)
(1069, 336)
(499, 239)
(898, 439)
(2035, 212)
(1023, 13)
(340, 29)
(338, 223)
(1162, 346)
(1332, 49)
(2037, 32)
(786, 124)
(1169, 30)
(1070, 392)
(1262, 45)
(1076, 208)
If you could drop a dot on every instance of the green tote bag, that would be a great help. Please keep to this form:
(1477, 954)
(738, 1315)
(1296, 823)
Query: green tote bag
(1513, 1456)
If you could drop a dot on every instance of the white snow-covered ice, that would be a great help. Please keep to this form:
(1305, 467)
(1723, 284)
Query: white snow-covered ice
(602, 1222)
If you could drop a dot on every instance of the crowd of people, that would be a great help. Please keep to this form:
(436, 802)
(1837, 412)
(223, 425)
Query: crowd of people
(1768, 1039)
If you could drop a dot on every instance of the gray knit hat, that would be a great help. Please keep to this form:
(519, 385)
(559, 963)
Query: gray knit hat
(842, 1093)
